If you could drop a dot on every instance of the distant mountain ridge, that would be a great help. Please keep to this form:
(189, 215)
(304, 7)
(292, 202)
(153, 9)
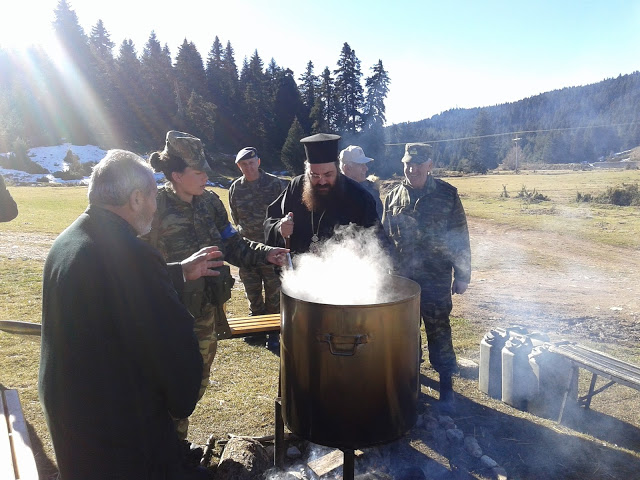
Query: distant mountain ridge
(568, 125)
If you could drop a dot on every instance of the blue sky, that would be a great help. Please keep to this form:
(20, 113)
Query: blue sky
(439, 55)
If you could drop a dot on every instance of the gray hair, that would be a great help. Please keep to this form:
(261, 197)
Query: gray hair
(117, 176)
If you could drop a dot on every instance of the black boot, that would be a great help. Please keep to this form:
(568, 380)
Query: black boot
(447, 396)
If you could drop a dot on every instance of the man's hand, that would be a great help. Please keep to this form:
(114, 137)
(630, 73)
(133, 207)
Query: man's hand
(459, 287)
(286, 225)
(200, 264)
(278, 256)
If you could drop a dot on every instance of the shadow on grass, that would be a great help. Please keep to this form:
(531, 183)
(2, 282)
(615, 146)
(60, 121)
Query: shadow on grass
(527, 449)
(46, 467)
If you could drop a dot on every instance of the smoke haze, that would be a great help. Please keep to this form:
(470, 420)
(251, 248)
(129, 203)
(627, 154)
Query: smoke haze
(350, 268)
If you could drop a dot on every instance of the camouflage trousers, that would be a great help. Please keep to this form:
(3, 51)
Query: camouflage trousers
(253, 280)
(204, 328)
(438, 330)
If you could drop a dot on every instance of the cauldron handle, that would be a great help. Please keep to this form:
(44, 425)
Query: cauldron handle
(352, 343)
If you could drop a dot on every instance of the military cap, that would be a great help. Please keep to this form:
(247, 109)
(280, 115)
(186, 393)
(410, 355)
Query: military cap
(321, 148)
(187, 147)
(354, 154)
(247, 153)
(417, 153)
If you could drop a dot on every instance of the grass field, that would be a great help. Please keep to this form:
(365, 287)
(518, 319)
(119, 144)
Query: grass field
(240, 400)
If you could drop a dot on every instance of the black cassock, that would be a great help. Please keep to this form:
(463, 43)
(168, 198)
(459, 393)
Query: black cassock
(349, 203)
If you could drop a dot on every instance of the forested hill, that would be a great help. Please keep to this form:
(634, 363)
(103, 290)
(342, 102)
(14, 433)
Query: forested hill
(126, 96)
(570, 125)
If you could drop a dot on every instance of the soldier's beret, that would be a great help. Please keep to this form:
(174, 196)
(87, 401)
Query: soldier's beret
(247, 153)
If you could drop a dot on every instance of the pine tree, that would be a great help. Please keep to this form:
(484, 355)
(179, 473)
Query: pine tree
(75, 42)
(189, 72)
(231, 71)
(230, 130)
(377, 89)
(72, 37)
(481, 152)
(287, 105)
(349, 91)
(273, 74)
(101, 44)
(102, 51)
(374, 115)
(308, 86)
(254, 116)
(317, 117)
(326, 111)
(214, 72)
(158, 93)
(292, 155)
(201, 116)
(130, 89)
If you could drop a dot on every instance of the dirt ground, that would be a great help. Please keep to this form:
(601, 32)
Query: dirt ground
(571, 289)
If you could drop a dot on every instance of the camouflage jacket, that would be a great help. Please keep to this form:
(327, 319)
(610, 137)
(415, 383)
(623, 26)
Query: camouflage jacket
(180, 229)
(249, 202)
(429, 230)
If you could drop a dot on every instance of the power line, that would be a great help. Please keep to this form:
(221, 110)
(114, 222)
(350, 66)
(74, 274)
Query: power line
(520, 132)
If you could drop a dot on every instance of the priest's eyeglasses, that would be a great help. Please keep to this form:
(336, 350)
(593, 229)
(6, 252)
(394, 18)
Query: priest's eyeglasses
(318, 176)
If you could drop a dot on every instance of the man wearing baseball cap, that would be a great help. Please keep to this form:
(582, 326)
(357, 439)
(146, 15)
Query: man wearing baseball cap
(426, 221)
(249, 197)
(353, 164)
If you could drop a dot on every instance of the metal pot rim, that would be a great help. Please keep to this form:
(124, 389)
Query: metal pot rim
(410, 284)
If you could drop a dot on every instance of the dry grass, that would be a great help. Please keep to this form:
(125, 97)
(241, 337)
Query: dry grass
(244, 379)
(606, 224)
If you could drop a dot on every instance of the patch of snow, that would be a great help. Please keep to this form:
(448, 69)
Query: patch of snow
(52, 158)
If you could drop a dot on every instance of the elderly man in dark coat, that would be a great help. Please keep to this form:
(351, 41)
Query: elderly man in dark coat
(319, 200)
(119, 357)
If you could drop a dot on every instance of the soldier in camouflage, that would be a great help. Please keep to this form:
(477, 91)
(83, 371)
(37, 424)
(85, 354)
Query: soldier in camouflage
(249, 197)
(188, 218)
(425, 219)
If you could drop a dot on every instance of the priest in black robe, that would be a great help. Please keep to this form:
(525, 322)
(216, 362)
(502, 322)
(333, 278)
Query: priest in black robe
(318, 201)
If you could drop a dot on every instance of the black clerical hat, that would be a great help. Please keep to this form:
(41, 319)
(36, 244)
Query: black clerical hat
(321, 148)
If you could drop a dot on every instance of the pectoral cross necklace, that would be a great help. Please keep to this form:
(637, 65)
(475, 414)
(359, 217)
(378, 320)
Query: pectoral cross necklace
(315, 238)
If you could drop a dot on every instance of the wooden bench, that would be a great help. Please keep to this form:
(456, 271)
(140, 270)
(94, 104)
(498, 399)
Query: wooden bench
(240, 327)
(246, 326)
(599, 364)
(20, 328)
(16, 455)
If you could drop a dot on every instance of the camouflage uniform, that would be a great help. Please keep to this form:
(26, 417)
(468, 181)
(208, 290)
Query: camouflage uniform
(249, 202)
(180, 229)
(429, 230)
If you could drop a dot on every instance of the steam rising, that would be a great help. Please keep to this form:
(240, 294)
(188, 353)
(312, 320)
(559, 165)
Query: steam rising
(350, 268)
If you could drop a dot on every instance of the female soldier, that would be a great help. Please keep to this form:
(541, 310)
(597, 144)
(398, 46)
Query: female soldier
(188, 218)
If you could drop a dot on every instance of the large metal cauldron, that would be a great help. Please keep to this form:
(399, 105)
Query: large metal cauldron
(350, 373)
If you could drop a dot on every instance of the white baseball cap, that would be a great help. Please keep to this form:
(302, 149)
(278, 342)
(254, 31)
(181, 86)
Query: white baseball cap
(353, 154)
